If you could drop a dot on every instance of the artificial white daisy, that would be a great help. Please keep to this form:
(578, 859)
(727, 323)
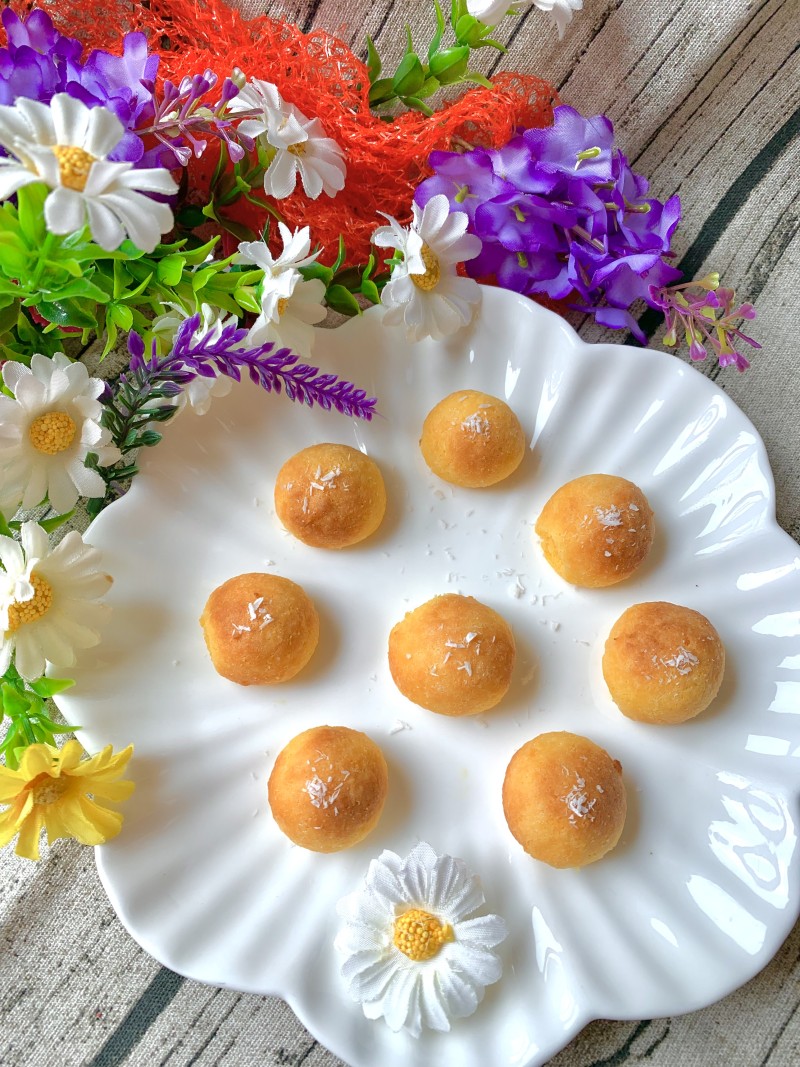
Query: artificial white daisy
(296, 252)
(47, 429)
(65, 144)
(48, 600)
(491, 12)
(199, 392)
(561, 10)
(290, 308)
(425, 291)
(412, 954)
(300, 144)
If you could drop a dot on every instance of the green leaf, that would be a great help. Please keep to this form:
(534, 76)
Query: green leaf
(374, 65)
(68, 314)
(246, 299)
(190, 217)
(53, 523)
(9, 313)
(121, 316)
(409, 76)
(340, 255)
(370, 291)
(317, 270)
(77, 287)
(148, 439)
(474, 76)
(49, 687)
(170, 270)
(342, 300)
(15, 703)
(416, 104)
(450, 65)
(381, 92)
(436, 40)
(30, 212)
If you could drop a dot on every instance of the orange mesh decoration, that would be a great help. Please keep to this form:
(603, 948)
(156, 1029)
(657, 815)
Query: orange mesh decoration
(321, 76)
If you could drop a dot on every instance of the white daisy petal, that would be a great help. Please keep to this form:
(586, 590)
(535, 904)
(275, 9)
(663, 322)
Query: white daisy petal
(485, 930)
(30, 391)
(434, 215)
(11, 555)
(28, 656)
(64, 211)
(103, 132)
(35, 542)
(36, 488)
(61, 490)
(280, 177)
(13, 178)
(460, 997)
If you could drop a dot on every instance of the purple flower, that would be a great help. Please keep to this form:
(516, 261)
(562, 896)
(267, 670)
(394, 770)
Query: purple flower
(573, 144)
(39, 62)
(466, 179)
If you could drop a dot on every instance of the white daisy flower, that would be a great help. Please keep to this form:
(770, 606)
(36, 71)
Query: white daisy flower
(48, 428)
(561, 10)
(491, 12)
(48, 600)
(425, 291)
(65, 144)
(300, 144)
(290, 308)
(412, 954)
(199, 393)
(296, 252)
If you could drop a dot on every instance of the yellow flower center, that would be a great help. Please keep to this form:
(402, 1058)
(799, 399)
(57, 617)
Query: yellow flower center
(298, 149)
(49, 790)
(24, 611)
(433, 271)
(283, 304)
(52, 432)
(74, 164)
(419, 935)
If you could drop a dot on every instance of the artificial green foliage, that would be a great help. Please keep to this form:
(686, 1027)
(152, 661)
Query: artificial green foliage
(76, 286)
(23, 704)
(416, 80)
(343, 285)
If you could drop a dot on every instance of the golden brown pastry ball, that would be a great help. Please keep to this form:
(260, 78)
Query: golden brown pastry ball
(328, 787)
(564, 799)
(452, 655)
(663, 663)
(330, 496)
(259, 629)
(596, 530)
(472, 439)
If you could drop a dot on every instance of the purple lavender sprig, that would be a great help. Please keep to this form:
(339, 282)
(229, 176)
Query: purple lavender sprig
(706, 314)
(183, 121)
(228, 353)
(144, 394)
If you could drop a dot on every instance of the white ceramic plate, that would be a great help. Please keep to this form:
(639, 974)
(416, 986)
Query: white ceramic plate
(704, 885)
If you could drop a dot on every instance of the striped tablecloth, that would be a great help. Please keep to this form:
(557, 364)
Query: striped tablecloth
(704, 98)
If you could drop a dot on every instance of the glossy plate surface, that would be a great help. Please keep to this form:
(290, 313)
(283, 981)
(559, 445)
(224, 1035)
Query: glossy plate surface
(704, 885)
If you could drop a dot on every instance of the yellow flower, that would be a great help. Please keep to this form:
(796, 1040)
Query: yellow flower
(53, 788)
